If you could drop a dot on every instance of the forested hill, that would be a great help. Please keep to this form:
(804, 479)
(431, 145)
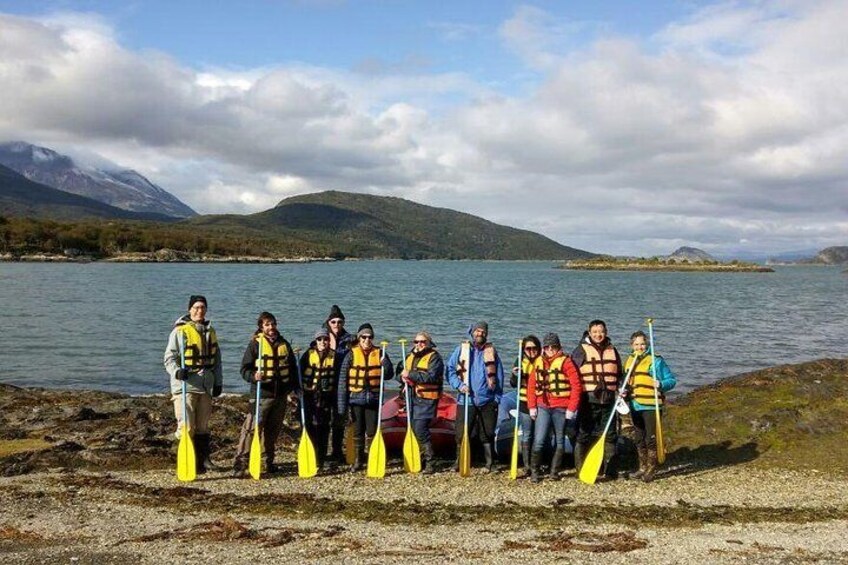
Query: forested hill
(360, 225)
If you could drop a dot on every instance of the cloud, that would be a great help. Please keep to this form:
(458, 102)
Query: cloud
(726, 130)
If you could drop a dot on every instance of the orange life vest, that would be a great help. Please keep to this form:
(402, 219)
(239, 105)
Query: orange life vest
(598, 368)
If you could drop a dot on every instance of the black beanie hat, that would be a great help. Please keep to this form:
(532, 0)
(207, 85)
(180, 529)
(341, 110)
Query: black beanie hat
(197, 298)
(335, 312)
(365, 328)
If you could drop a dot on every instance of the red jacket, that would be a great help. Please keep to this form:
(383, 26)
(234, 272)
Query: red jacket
(572, 402)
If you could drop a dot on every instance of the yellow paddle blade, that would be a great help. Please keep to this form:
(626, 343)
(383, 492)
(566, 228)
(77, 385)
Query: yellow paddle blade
(592, 462)
(377, 458)
(186, 467)
(350, 446)
(660, 442)
(465, 456)
(255, 466)
(307, 462)
(513, 460)
(411, 453)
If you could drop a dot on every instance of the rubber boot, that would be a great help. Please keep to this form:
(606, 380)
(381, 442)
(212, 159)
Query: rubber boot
(535, 459)
(239, 469)
(427, 452)
(487, 453)
(579, 456)
(525, 458)
(337, 456)
(556, 463)
(204, 451)
(642, 453)
(270, 468)
(610, 462)
(650, 466)
(456, 463)
(359, 459)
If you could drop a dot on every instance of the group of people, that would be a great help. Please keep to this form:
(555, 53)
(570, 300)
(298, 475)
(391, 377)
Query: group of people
(338, 380)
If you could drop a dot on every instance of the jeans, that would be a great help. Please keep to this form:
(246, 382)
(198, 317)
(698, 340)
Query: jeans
(545, 418)
(525, 428)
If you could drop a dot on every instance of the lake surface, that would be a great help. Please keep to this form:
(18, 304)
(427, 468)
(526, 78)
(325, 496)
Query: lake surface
(104, 326)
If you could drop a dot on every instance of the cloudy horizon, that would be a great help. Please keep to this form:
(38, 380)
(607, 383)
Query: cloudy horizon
(723, 127)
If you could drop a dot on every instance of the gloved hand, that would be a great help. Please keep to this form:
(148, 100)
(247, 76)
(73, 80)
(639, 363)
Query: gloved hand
(533, 413)
(181, 375)
(407, 381)
(217, 390)
(463, 388)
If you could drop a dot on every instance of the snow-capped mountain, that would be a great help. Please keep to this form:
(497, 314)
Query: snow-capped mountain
(122, 188)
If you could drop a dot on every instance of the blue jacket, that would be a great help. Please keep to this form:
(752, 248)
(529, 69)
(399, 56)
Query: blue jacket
(666, 378)
(480, 392)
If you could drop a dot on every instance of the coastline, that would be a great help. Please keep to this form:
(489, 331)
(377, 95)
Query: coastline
(71, 491)
(653, 267)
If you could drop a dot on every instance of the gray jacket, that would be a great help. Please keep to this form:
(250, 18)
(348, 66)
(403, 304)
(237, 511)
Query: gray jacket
(198, 381)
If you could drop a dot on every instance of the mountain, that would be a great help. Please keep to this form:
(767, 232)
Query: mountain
(832, 256)
(692, 254)
(20, 196)
(120, 188)
(360, 225)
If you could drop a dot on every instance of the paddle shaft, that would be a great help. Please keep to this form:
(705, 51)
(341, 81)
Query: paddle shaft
(406, 388)
(184, 393)
(653, 362)
(258, 386)
(382, 376)
(518, 389)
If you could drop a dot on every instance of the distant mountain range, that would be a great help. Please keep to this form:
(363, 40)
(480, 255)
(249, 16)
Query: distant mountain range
(20, 196)
(122, 188)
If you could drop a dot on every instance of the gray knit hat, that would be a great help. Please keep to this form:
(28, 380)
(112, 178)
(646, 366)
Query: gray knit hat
(321, 332)
(551, 340)
(481, 325)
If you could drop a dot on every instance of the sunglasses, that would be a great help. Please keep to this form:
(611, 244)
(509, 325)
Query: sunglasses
(366, 337)
(424, 341)
(531, 348)
(335, 322)
(322, 339)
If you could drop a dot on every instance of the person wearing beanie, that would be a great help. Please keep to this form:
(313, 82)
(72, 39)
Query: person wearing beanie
(276, 376)
(480, 385)
(359, 389)
(553, 397)
(318, 372)
(422, 372)
(194, 339)
(340, 342)
(531, 349)
(600, 371)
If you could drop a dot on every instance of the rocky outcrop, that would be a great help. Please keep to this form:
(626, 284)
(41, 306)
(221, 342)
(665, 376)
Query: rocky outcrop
(832, 256)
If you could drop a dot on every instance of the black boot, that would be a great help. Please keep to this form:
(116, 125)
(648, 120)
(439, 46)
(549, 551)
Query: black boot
(359, 458)
(456, 463)
(642, 453)
(535, 459)
(239, 469)
(579, 455)
(487, 453)
(650, 465)
(525, 458)
(203, 454)
(557, 462)
(270, 468)
(427, 453)
(610, 462)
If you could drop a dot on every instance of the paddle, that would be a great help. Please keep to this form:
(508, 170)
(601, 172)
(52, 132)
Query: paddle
(307, 461)
(186, 466)
(411, 449)
(465, 447)
(255, 466)
(377, 452)
(660, 442)
(513, 462)
(592, 462)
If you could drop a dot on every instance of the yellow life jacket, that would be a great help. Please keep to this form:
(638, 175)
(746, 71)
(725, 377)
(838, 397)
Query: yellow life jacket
(427, 391)
(319, 374)
(275, 359)
(552, 380)
(599, 368)
(642, 380)
(527, 367)
(364, 372)
(200, 350)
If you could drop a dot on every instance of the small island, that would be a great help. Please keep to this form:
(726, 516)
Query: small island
(687, 259)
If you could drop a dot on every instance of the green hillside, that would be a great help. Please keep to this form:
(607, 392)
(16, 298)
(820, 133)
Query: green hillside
(361, 225)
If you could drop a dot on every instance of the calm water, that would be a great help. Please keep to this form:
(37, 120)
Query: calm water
(104, 326)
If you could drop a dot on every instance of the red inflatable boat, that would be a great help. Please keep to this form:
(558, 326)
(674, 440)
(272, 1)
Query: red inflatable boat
(442, 429)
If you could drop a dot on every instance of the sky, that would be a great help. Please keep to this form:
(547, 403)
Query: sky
(618, 127)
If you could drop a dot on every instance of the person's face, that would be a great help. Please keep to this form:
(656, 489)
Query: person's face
(530, 350)
(197, 312)
(269, 328)
(479, 335)
(322, 343)
(420, 342)
(336, 325)
(597, 333)
(366, 342)
(549, 351)
(639, 345)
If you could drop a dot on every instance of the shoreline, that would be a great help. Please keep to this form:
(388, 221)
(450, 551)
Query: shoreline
(679, 267)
